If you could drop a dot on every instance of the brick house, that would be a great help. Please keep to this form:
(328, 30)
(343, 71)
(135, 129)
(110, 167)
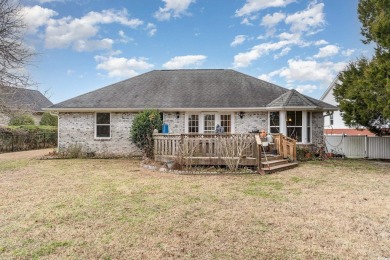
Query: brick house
(190, 101)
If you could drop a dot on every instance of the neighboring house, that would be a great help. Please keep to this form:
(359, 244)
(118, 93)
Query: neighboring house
(15, 101)
(333, 122)
(191, 101)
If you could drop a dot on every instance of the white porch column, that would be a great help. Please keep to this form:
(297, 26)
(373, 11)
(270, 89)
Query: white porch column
(282, 119)
(304, 127)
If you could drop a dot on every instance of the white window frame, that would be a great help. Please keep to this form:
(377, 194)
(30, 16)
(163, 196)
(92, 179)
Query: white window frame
(269, 122)
(283, 124)
(201, 120)
(96, 125)
(295, 125)
(305, 116)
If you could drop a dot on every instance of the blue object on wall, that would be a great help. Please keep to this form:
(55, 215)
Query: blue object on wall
(165, 129)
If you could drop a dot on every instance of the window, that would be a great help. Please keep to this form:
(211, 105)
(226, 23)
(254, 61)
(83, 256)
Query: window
(274, 122)
(209, 123)
(103, 126)
(308, 125)
(331, 119)
(226, 123)
(193, 124)
(206, 122)
(294, 125)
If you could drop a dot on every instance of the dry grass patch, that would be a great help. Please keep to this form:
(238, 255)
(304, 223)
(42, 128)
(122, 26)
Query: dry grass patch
(111, 209)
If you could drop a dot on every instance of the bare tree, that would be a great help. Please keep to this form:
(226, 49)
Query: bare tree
(14, 54)
(233, 148)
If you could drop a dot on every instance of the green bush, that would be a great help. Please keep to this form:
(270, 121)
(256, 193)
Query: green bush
(49, 119)
(22, 120)
(142, 130)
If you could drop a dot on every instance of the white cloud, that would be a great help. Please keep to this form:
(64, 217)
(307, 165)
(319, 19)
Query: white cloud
(327, 51)
(244, 59)
(151, 28)
(122, 67)
(246, 21)
(307, 20)
(268, 77)
(306, 88)
(90, 45)
(311, 70)
(265, 77)
(239, 39)
(78, 33)
(320, 42)
(36, 16)
(252, 6)
(172, 8)
(187, 61)
(284, 52)
(348, 52)
(124, 38)
(272, 20)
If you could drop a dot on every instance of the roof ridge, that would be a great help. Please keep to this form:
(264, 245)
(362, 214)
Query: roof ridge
(289, 96)
(306, 99)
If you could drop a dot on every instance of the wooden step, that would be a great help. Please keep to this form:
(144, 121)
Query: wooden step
(272, 163)
(271, 157)
(279, 168)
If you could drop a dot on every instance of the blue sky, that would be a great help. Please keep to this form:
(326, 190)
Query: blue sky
(84, 45)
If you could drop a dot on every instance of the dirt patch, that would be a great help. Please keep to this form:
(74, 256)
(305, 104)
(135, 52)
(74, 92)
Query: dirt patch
(33, 154)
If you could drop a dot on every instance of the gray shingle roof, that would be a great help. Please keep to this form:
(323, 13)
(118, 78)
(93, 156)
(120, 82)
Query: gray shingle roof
(215, 88)
(23, 99)
(293, 98)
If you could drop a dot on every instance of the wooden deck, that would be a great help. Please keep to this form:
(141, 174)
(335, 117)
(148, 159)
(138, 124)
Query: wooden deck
(204, 149)
(216, 149)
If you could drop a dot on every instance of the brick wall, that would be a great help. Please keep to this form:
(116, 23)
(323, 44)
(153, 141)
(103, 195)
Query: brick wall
(176, 125)
(318, 128)
(80, 128)
(249, 121)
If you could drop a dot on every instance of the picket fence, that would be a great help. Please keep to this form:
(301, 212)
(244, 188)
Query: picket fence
(358, 146)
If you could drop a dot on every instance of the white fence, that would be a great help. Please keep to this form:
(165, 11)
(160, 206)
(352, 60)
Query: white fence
(357, 146)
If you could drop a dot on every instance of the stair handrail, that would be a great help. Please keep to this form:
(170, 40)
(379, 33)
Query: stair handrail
(259, 142)
(282, 142)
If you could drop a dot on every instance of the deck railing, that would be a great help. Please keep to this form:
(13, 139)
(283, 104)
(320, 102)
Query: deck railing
(203, 148)
(169, 146)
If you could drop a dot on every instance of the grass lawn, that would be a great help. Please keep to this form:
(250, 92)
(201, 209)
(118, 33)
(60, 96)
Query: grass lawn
(113, 209)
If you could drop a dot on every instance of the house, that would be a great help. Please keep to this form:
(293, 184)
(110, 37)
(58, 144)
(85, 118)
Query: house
(190, 101)
(15, 101)
(333, 122)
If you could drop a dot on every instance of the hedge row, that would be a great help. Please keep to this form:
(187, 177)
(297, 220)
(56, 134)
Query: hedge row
(29, 137)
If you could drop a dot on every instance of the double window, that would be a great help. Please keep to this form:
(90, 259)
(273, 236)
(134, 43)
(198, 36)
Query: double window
(207, 122)
(103, 125)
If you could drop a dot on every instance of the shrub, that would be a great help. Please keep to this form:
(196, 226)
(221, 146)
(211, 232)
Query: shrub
(142, 130)
(22, 120)
(73, 151)
(49, 119)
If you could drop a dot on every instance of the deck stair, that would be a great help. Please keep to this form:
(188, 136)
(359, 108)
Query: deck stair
(276, 163)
